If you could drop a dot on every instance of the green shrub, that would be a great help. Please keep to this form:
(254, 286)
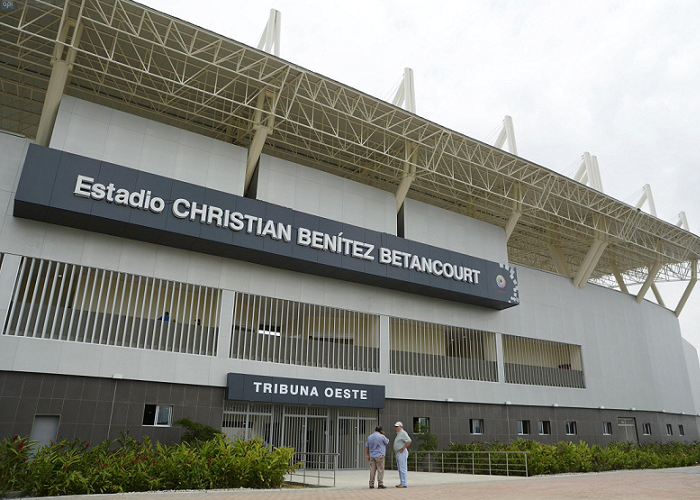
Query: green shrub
(194, 431)
(72, 468)
(14, 454)
(566, 457)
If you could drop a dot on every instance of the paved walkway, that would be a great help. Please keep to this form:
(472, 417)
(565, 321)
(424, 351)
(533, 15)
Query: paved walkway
(676, 484)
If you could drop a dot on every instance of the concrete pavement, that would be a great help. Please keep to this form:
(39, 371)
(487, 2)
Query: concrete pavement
(676, 484)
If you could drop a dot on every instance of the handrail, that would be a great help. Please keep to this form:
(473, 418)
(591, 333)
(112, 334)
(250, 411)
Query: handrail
(313, 466)
(500, 463)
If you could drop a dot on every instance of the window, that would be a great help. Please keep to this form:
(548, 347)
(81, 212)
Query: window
(476, 425)
(545, 428)
(160, 415)
(669, 430)
(646, 429)
(681, 430)
(571, 427)
(523, 427)
(607, 428)
(421, 425)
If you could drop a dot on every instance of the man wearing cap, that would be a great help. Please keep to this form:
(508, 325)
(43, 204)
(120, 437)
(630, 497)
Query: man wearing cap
(401, 443)
(375, 447)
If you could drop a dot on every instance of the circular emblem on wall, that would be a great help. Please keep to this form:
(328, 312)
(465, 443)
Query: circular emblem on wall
(500, 281)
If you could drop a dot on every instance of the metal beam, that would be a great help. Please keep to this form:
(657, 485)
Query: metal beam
(657, 294)
(621, 281)
(688, 289)
(263, 127)
(62, 64)
(648, 282)
(559, 260)
(270, 39)
(409, 174)
(589, 263)
(405, 95)
(507, 133)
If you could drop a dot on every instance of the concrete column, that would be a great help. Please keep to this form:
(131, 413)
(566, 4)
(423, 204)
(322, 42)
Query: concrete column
(500, 361)
(8, 275)
(384, 345)
(228, 298)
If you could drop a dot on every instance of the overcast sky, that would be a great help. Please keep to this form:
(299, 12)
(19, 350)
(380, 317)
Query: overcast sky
(620, 80)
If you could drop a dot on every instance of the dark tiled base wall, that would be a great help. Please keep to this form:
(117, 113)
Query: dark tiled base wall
(84, 405)
(450, 421)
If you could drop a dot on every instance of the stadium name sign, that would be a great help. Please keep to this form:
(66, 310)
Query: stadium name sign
(75, 191)
(86, 187)
(246, 387)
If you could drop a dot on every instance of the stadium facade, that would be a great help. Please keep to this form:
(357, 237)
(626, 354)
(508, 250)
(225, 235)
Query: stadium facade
(194, 228)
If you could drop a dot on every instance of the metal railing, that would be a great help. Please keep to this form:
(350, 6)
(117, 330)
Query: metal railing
(493, 463)
(314, 468)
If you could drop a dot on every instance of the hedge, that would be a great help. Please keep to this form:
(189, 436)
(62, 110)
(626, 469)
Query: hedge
(566, 457)
(75, 468)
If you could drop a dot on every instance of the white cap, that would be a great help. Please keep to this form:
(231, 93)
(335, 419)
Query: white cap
(398, 424)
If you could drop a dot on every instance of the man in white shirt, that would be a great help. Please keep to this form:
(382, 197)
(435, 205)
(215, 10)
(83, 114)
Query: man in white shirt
(401, 443)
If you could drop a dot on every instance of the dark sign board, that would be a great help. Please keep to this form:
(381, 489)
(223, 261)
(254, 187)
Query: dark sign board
(244, 387)
(71, 190)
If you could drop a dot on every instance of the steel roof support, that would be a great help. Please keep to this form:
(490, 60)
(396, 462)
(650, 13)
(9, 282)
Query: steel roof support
(507, 132)
(270, 39)
(405, 94)
(657, 294)
(648, 282)
(621, 281)
(62, 64)
(559, 260)
(682, 221)
(648, 198)
(408, 176)
(589, 262)
(688, 289)
(589, 173)
(262, 126)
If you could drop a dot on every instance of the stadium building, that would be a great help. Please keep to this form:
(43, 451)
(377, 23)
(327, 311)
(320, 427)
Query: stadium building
(193, 227)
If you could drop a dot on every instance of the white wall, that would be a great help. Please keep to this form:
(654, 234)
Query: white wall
(95, 131)
(445, 229)
(633, 354)
(314, 192)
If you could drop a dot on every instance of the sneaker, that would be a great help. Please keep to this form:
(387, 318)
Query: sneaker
(371, 486)
(401, 486)
(381, 487)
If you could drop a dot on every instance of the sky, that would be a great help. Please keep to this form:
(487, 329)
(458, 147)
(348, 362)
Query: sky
(619, 79)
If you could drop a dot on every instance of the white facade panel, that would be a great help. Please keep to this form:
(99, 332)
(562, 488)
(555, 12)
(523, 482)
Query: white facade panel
(445, 229)
(318, 193)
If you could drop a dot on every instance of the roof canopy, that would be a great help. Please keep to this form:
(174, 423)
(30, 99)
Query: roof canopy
(141, 61)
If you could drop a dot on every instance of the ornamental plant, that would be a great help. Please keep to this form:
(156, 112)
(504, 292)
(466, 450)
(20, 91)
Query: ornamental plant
(75, 467)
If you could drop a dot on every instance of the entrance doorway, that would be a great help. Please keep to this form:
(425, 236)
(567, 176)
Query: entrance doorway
(353, 428)
(310, 430)
(628, 429)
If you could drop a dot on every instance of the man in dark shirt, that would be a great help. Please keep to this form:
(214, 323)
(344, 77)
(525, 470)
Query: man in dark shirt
(375, 447)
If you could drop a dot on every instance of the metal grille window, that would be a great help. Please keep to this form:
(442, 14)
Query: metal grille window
(571, 429)
(434, 350)
(282, 331)
(669, 430)
(542, 362)
(544, 427)
(58, 301)
(646, 429)
(607, 428)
